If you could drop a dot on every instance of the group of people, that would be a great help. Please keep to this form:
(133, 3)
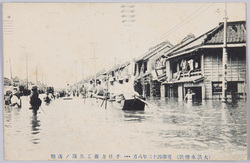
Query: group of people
(114, 89)
(93, 89)
(14, 99)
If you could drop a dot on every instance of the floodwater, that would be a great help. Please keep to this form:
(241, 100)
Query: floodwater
(81, 127)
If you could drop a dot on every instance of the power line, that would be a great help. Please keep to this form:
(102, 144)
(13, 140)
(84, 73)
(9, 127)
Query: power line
(187, 20)
(184, 20)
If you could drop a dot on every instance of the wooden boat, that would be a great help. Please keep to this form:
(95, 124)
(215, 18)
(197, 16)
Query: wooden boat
(129, 104)
(133, 104)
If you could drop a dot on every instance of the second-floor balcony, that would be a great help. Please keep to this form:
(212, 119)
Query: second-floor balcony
(180, 74)
(192, 76)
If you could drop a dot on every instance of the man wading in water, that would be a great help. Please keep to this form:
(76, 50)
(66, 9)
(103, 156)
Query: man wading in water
(15, 99)
(35, 101)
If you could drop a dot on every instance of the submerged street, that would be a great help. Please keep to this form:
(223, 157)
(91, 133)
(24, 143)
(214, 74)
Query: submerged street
(80, 126)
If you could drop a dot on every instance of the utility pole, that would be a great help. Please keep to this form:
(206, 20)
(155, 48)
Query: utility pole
(27, 71)
(82, 68)
(42, 82)
(76, 73)
(83, 62)
(224, 59)
(94, 57)
(128, 19)
(11, 72)
(36, 77)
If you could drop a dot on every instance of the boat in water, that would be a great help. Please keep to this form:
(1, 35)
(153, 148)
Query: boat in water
(129, 104)
(133, 104)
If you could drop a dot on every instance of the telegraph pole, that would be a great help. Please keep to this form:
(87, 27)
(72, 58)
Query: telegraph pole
(11, 72)
(82, 68)
(224, 59)
(128, 18)
(27, 71)
(83, 62)
(94, 57)
(36, 77)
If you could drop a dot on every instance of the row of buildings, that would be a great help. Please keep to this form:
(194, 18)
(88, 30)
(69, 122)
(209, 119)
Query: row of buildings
(195, 63)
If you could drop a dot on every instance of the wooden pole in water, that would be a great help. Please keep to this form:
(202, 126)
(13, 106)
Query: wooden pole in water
(107, 92)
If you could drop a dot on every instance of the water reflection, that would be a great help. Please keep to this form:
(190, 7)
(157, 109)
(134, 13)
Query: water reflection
(134, 116)
(35, 129)
(166, 124)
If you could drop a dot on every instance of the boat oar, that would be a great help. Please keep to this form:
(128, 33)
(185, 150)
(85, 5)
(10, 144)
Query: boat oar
(148, 104)
(102, 102)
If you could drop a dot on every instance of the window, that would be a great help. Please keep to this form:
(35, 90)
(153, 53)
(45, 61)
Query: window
(217, 87)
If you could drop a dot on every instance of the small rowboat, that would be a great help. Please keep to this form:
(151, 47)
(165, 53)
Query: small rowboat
(133, 104)
(130, 104)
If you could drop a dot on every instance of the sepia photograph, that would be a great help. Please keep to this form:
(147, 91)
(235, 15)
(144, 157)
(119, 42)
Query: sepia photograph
(124, 81)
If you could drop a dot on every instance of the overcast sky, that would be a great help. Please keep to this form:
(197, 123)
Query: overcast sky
(61, 39)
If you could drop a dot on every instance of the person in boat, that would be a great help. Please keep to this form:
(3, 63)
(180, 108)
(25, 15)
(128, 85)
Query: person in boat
(47, 99)
(128, 89)
(68, 92)
(99, 89)
(35, 101)
(189, 96)
(91, 88)
(138, 87)
(117, 90)
(50, 91)
(83, 91)
(112, 90)
(15, 99)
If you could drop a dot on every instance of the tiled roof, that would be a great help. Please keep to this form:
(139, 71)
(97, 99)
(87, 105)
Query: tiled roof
(236, 33)
(154, 50)
(189, 38)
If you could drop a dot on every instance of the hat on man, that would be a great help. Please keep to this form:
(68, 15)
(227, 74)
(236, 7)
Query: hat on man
(15, 90)
(34, 88)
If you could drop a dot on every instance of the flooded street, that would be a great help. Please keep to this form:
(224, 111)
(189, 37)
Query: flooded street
(166, 126)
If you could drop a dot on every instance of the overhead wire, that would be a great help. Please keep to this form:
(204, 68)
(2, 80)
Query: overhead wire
(187, 20)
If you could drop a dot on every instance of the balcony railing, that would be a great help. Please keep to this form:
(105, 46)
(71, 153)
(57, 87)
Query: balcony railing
(180, 74)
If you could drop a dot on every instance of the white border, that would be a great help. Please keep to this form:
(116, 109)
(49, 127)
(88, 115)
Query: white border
(109, 1)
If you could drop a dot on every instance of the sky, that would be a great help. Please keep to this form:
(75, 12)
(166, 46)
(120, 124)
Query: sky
(65, 42)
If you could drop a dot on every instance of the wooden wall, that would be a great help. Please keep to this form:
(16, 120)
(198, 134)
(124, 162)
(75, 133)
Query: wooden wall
(236, 70)
(236, 64)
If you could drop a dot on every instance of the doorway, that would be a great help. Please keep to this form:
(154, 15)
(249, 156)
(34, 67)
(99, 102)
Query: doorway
(197, 91)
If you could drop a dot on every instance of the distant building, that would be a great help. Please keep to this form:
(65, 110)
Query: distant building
(145, 68)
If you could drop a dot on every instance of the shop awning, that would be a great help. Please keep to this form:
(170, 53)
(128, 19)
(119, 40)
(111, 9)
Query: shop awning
(192, 79)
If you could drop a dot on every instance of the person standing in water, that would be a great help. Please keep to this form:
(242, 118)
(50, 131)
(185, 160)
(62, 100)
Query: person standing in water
(15, 99)
(189, 96)
(35, 101)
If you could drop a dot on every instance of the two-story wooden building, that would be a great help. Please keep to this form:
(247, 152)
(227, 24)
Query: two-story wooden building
(145, 68)
(197, 64)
